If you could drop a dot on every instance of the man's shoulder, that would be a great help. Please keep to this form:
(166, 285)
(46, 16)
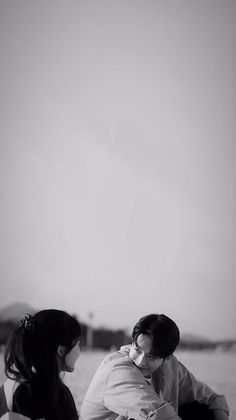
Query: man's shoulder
(171, 365)
(173, 368)
(173, 360)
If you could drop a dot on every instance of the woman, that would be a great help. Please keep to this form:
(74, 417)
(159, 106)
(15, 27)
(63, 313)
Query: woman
(37, 352)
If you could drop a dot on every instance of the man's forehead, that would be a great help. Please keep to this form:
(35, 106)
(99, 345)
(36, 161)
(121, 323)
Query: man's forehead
(144, 341)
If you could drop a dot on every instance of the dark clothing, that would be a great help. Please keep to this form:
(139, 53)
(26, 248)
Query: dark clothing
(28, 402)
(195, 411)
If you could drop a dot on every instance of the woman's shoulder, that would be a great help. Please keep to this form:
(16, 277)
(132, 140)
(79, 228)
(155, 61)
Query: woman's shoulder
(27, 402)
(15, 397)
(23, 388)
(22, 394)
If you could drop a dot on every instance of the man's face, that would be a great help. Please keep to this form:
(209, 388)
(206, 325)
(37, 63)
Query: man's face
(141, 354)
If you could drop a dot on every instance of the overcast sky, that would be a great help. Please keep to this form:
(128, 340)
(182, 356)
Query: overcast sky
(117, 159)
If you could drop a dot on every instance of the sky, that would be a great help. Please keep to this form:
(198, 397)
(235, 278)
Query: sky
(117, 160)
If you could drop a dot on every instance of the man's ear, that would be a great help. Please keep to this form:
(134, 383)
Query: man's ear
(61, 350)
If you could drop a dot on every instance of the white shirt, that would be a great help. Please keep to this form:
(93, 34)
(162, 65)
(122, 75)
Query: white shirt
(119, 390)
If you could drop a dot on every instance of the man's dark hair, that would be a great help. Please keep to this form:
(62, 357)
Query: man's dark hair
(163, 331)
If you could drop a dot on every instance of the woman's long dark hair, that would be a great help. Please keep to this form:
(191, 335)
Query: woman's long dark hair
(31, 353)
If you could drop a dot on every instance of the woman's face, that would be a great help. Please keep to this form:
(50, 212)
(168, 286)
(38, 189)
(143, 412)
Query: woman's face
(71, 357)
(141, 354)
(66, 361)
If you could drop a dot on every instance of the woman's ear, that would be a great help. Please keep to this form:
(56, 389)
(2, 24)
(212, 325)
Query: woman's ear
(61, 350)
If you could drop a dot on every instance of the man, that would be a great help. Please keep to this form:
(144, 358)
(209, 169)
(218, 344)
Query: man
(146, 381)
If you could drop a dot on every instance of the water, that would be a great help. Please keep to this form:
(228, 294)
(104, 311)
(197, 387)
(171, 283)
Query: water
(217, 369)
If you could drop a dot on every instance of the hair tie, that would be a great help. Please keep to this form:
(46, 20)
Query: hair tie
(28, 323)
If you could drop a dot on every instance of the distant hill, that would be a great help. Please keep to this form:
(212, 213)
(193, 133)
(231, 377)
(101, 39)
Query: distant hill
(194, 342)
(15, 311)
(192, 338)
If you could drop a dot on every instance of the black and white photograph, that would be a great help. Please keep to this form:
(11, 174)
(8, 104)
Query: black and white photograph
(117, 209)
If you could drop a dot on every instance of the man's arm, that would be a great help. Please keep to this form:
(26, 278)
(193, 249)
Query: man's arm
(128, 395)
(190, 389)
(220, 415)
